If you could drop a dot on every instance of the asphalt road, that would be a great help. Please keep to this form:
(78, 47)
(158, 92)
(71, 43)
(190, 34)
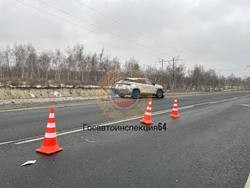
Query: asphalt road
(209, 146)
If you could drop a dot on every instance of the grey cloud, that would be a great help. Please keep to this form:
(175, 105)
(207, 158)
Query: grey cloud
(215, 33)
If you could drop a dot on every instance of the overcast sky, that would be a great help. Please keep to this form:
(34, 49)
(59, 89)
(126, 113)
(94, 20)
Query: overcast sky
(213, 33)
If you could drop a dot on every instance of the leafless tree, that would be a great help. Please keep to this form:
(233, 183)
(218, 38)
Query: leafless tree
(22, 63)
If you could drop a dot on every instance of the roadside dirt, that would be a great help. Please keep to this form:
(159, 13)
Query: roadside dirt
(8, 93)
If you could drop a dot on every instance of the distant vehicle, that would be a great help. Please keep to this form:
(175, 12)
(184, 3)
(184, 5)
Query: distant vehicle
(137, 87)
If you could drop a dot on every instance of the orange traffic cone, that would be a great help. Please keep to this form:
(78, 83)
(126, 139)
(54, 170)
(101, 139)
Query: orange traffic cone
(175, 112)
(49, 145)
(147, 118)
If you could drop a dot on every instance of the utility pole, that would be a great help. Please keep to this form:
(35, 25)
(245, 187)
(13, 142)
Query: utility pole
(162, 61)
(174, 60)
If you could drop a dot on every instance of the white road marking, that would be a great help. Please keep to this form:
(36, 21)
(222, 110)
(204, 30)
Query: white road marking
(200, 104)
(214, 102)
(100, 125)
(247, 105)
(28, 141)
(8, 142)
(90, 141)
(223, 100)
(41, 137)
(248, 182)
(25, 140)
(69, 132)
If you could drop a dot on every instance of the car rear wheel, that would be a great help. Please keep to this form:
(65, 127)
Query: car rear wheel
(135, 93)
(159, 93)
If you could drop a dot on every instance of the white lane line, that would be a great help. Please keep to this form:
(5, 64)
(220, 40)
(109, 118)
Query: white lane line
(30, 140)
(40, 138)
(69, 132)
(90, 141)
(248, 182)
(100, 125)
(24, 141)
(138, 117)
(247, 105)
(72, 131)
(200, 104)
(224, 100)
(8, 142)
(120, 121)
(214, 102)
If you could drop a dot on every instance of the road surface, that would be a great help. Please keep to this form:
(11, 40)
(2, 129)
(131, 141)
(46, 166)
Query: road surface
(209, 146)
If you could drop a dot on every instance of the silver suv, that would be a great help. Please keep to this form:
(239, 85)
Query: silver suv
(137, 87)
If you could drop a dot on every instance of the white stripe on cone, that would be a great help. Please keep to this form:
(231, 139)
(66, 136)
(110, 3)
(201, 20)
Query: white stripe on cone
(149, 108)
(148, 113)
(50, 135)
(51, 125)
(51, 115)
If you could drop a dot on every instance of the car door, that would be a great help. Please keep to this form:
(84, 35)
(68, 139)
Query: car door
(141, 83)
(150, 87)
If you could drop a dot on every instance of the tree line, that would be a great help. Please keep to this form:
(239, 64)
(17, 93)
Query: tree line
(22, 63)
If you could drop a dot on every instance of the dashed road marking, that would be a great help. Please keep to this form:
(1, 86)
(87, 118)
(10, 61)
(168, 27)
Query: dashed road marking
(247, 105)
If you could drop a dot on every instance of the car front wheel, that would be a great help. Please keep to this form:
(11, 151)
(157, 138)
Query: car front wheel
(135, 93)
(159, 93)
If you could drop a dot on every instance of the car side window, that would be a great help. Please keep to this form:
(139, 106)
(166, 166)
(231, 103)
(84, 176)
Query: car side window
(149, 82)
(142, 81)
